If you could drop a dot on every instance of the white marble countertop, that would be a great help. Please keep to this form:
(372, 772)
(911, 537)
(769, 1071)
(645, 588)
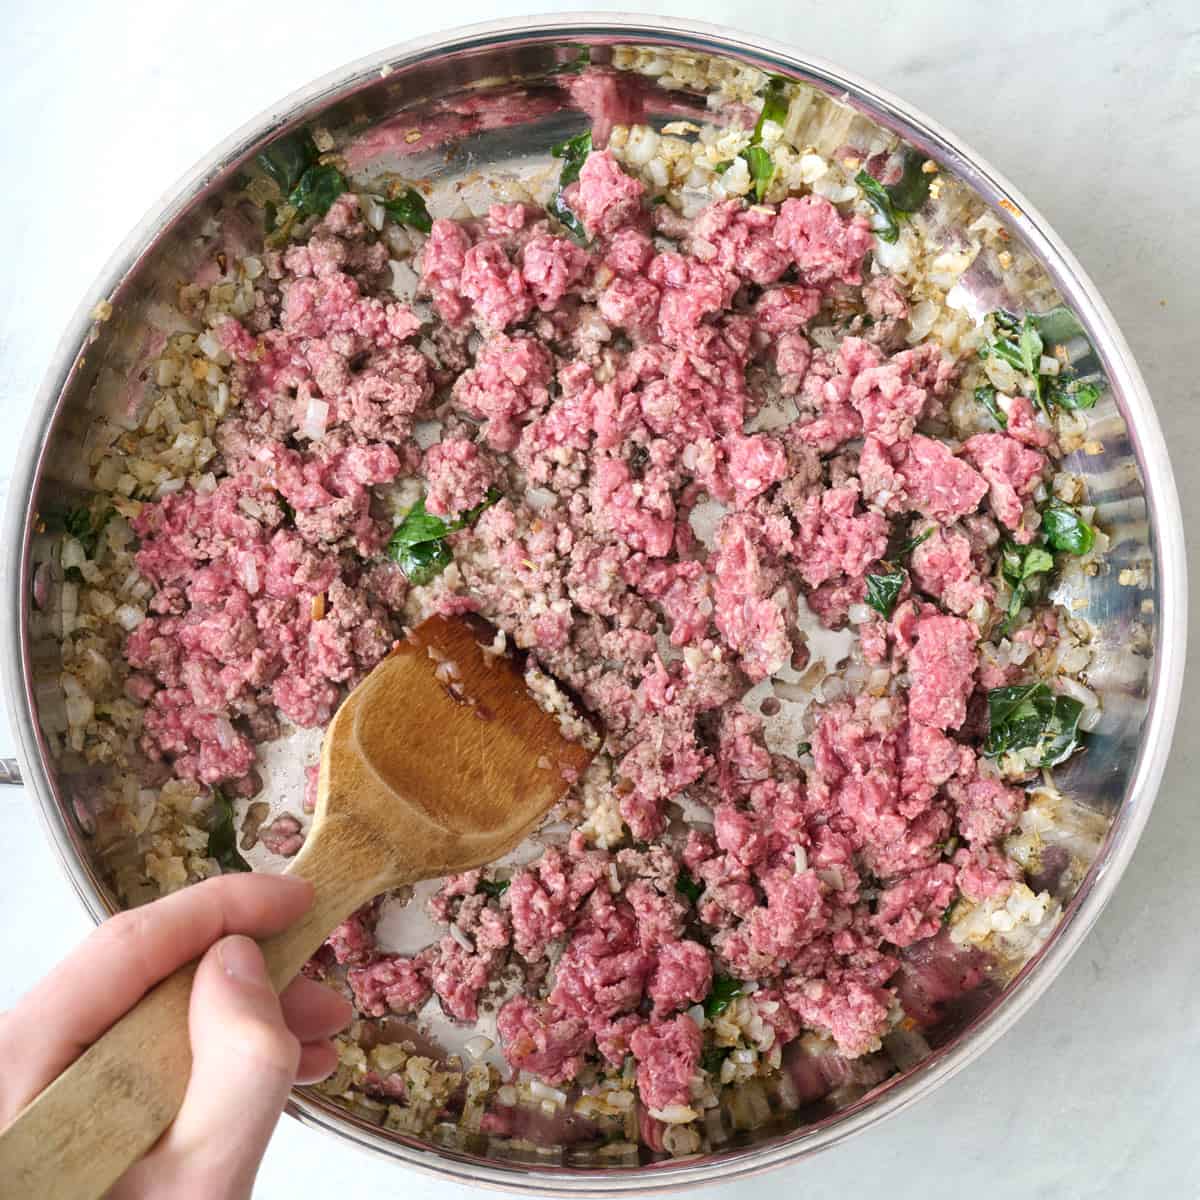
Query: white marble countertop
(1091, 108)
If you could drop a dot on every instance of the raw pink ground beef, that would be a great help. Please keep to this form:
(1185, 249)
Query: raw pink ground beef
(619, 380)
(392, 983)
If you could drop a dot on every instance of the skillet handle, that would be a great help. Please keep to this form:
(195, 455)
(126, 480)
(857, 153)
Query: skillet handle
(78, 1136)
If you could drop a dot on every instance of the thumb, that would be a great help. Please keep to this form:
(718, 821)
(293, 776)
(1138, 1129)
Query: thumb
(244, 1061)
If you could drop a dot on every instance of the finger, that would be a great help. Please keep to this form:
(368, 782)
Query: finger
(313, 1011)
(318, 1060)
(131, 952)
(244, 1062)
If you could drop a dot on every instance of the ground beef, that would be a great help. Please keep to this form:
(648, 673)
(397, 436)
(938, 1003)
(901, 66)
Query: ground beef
(353, 941)
(986, 808)
(392, 984)
(605, 198)
(943, 566)
(602, 972)
(667, 1054)
(545, 897)
(682, 976)
(541, 1039)
(852, 1011)
(824, 246)
(942, 665)
(912, 908)
(507, 384)
(1012, 471)
(458, 976)
(656, 543)
(283, 836)
(985, 873)
(457, 477)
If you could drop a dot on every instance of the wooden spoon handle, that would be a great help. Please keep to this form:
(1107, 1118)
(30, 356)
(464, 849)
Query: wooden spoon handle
(338, 891)
(76, 1138)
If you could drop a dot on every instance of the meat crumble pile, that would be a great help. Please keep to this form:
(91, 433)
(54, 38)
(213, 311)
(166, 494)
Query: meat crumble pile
(570, 407)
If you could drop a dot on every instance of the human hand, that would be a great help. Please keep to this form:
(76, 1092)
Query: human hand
(249, 1046)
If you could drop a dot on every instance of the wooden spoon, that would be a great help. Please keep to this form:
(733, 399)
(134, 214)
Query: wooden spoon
(438, 762)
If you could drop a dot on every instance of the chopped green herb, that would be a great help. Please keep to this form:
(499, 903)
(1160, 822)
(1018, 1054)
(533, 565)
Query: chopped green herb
(985, 395)
(73, 575)
(685, 885)
(1021, 344)
(1065, 530)
(288, 158)
(318, 188)
(1020, 566)
(1021, 563)
(418, 543)
(883, 590)
(1032, 716)
(1029, 345)
(724, 990)
(803, 748)
(289, 513)
(714, 1056)
(1023, 341)
(913, 543)
(573, 152)
(418, 526)
(1073, 394)
(222, 835)
(724, 166)
(409, 209)
(762, 169)
(775, 106)
(911, 190)
(493, 887)
(886, 227)
(893, 201)
(581, 61)
(80, 524)
(423, 562)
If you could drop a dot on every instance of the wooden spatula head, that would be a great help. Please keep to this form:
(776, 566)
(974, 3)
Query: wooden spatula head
(442, 756)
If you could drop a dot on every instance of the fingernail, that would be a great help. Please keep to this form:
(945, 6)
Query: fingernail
(242, 960)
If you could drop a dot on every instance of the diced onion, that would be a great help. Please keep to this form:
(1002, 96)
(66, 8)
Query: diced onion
(225, 733)
(129, 617)
(250, 574)
(372, 210)
(674, 1114)
(316, 419)
(542, 1091)
(478, 1046)
(72, 553)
